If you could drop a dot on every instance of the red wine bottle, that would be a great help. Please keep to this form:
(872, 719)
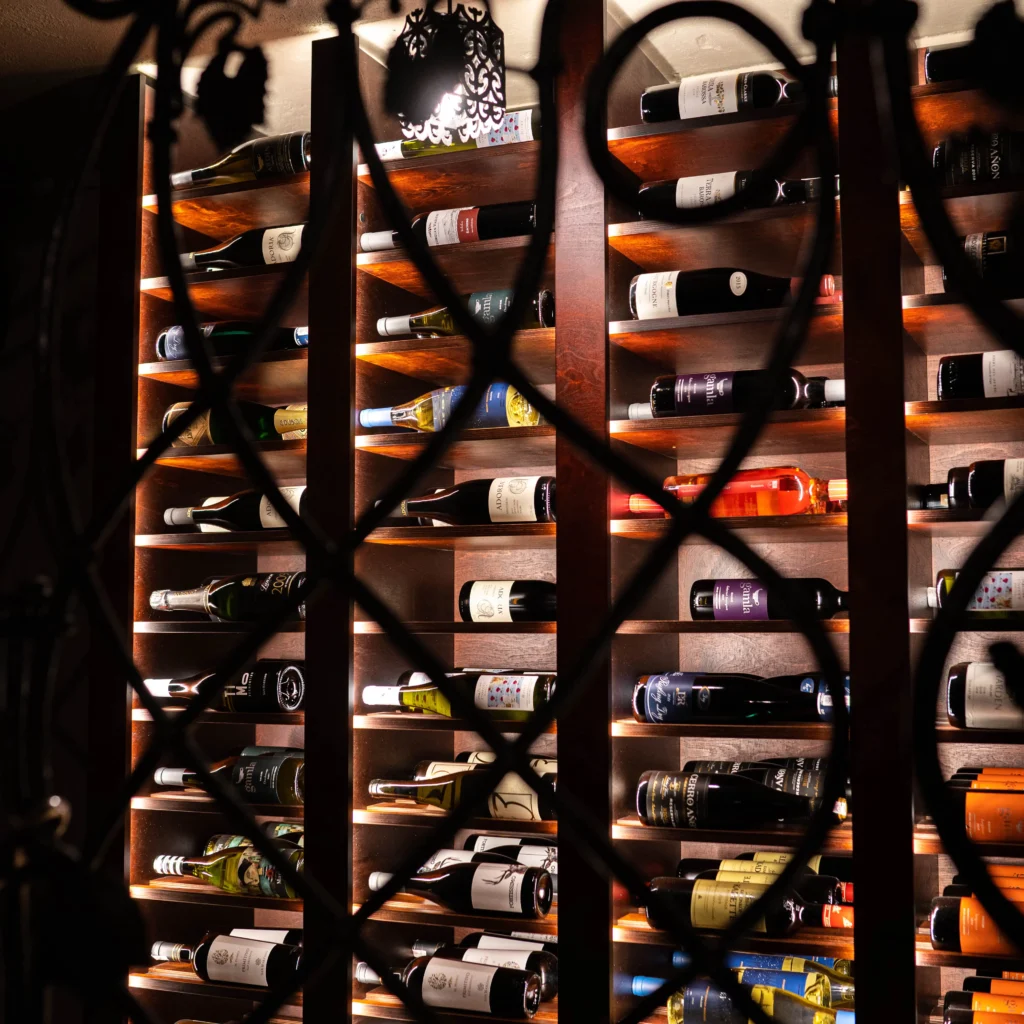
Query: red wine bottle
(977, 698)
(544, 965)
(227, 338)
(996, 258)
(980, 157)
(741, 600)
(507, 601)
(981, 375)
(467, 224)
(514, 940)
(989, 481)
(235, 960)
(701, 190)
(950, 64)
(710, 95)
(257, 247)
(503, 499)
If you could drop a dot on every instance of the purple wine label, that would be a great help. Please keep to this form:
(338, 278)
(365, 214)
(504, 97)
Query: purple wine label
(700, 393)
(739, 600)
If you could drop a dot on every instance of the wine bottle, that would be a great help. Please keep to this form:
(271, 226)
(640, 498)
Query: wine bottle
(539, 764)
(949, 63)
(257, 247)
(243, 510)
(507, 698)
(544, 965)
(710, 95)
(227, 338)
(242, 598)
(487, 307)
(702, 1001)
(698, 394)
(997, 986)
(287, 833)
(511, 797)
(979, 157)
(671, 293)
(466, 224)
(1000, 594)
(268, 687)
(514, 940)
(264, 421)
(929, 496)
(236, 960)
(501, 406)
(801, 781)
(962, 1006)
(275, 156)
(995, 257)
(501, 499)
(698, 800)
(809, 887)
(814, 986)
(535, 852)
(981, 375)
(470, 888)
(837, 970)
(750, 600)
(961, 924)
(240, 870)
(433, 769)
(700, 190)
(772, 862)
(285, 936)
(261, 779)
(516, 126)
(507, 601)
(989, 481)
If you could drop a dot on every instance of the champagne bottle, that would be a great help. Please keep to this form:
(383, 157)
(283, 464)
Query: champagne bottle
(950, 63)
(838, 971)
(750, 600)
(226, 338)
(981, 375)
(240, 870)
(257, 247)
(264, 421)
(501, 406)
(671, 293)
(507, 601)
(285, 936)
(710, 95)
(1000, 594)
(979, 157)
(276, 156)
(995, 257)
(698, 800)
(701, 1001)
(507, 698)
(961, 924)
(977, 698)
(487, 307)
(716, 905)
(516, 126)
(285, 832)
(510, 889)
(445, 983)
(244, 510)
(502, 499)
(261, 779)
(466, 224)
(514, 940)
(544, 965)
(236, 960)
(511, 797)
(700, 190)
(242, 598)
(268, 687)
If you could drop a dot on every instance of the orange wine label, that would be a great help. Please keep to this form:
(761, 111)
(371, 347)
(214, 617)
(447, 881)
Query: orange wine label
(1006, 870)
(994, 817)
(1013, 773)
(983, 1017)
(997, 782)
(990, 1002)
(1001, 987)
(834, 916)
(1013, 975)
(978, 932)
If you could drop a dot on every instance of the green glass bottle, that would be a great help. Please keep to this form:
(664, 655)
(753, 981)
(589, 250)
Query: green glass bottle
(261, 778)
(487, 307)
(1000, 594)
(286, 832)
(506, 697)
(266, 423)
(501, 406)
(242, 598)
(241, 870)
(516, 126)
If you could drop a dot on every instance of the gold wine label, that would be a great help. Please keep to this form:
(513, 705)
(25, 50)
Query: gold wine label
(774, 857)
(196, 433)
(757, 867)
(717, 904)
(519, 411)
(288, 419)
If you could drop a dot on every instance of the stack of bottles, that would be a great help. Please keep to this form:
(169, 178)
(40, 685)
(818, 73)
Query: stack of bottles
(989, 997)
(261, 957)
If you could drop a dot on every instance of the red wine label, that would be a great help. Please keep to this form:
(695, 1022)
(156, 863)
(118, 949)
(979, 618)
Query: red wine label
(987, 703)
(282, 245)
(498, 887)
(1013, 478)
(846, 894)
(705, 95)
(704, 190)
(238, 961)
(835, 916)
(994, 817)
(467, 225)
(456, 985)
(448, 227)
(510, 499)
(677, 800)
(655, 295)
(717, 904)
(740, 600)
(701, 393)
(269, 518)
(514, 693)
(489, 601)
(515, 127)
(1002, 374)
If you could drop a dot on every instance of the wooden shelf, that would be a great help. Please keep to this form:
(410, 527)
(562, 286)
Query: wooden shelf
(470, 267)
(926, 956)
(967, 421)
(232, 294)
(943, 326)
(479, 448)
(364, 627)
(740, 340)
(511, 536)
(199, 626)
(282, 458)
(753, 529)
(200, 803)
(975, 625)
(655, 627)
(442, 361)
(629, 827)
(627, 728)
(409, 814)
(297, 718)
(792, 431)
(240, 540)
(277, 378)
(407, 909)
(181, 979)
(929, 523)
(178, 890)
(378, 1003)
(223, 211)
(951, 734)
(399, 722)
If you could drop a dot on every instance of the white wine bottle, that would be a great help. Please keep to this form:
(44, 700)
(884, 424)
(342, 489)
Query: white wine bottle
(226, 338)
(241, 870)
(484, 757)
(285, 936)
(244, 510)
(505, 697)
(286, 832)
(257, 247)
(514, 940)
(511, 797)
(241, 598)
(275, 156)
(466, 224)
(500, 499)
(710, 95)
(235, 960)
(501, 406)
(507, 601)
(269, 686)
(261, 778)
(544, 965)
(487, 307)
(266, 422)
(516, 126)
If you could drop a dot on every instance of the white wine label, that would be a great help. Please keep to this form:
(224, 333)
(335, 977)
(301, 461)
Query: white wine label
(737, 282)
(545, 857)
(277, 935)
(987, 704)
(999, 591)
(772, 857)
(498, 887)
(517, 940)
(209, 527)
(512, 692)
(239, 961)
(717, 904)
(442, 858)
(704, 190)
(390, 150)
(269, 519)
(457, 985)
(1002, 374)
(282, 245)
(446, 227)
(655, 295)
(515, 798)
(515, 127)
(388, 695)
(489, 601)
(498, 957)
(702, 96)
(1013, 478)
(440, 769)
(196, 433)
(511, 499)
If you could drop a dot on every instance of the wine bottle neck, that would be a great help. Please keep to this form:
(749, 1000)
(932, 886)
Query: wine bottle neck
(195, 600)
(173, 952)
(385, 788)
(371, 418)
(168, 864)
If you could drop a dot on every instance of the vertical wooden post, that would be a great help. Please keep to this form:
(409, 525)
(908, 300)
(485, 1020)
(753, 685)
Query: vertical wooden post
(330, 476)
(878, 546)
(584, 547)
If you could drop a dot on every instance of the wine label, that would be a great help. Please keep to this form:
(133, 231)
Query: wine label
(987, 703)
(511, 499)
(740, 600)
(823, 695)
(717, 904)
(704, 190)
(282, 245)
(498, 887)
(514, 693)
(772, 857)
(670, 697)
(448, 227)
(501, 406)
(516, 958)
(545, 857)
(259, 876)
(1001, 987)
(275, 935)
(278, 585)
(1013, 478)
(978, 932)
(1002, 374)
(488, 307)
(994, 817)
(517, 940)
(456, 985)
(737, 282)
(700, 393)
(275, 686)
(808, 986)
(383, 695)
(1009, 1007)
(655, 295)
(1002, 590)
(269, 518)
(515, 127)
(290, 422)
(514, 798)
(442, 858)
(272, 156)
(209, 527)
(389, 150)
(805, 782)
(195, 434)
(750, 867)
(835, 916)
(489, 601)
(677, 799)
(440, 769)
(300, 335)
(238, 961)
(257, 776)
(705, 95)
(701, 1001)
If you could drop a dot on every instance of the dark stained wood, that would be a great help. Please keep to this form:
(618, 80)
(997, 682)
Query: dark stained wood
(231, 294)
(229, 717)
(283, 458)
(378, 1003)
(482, 448)
(967, 421)
(948, 108)
(840, 839)
(235, 541)
(277, 379)
(501, 628)
(631, 729)
(653, 627)
(199, 626)
(397, 722)
(408, 814)
(179, 890)
(764, 529)
(407, 909)
(180, 978)
(942, 326)
(178, 801)
(465, 538)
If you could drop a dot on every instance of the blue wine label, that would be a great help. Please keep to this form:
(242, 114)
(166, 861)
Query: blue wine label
(823, 695)
(701, 393)
(807, 986)
(488, 307)
(670, 697)
(301, 337)
(501, 406)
